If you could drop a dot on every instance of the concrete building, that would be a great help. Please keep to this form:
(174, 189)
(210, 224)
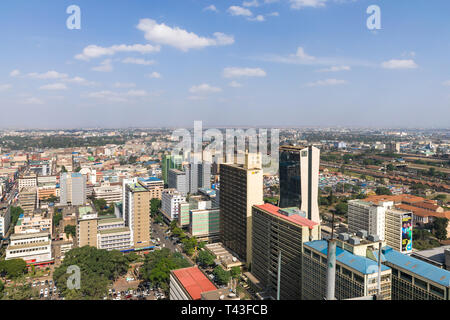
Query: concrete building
(28, 200)
(241, 187)
(414, 279)
(110, 194)
(204, 224)
(170, 162)
(299, 179)
(37, 222)
(278, 231)
(5, 219)
(87, 226)
(356, 276)
(27, 181)
(384, 220)
(439, 256)
(113, 234)
(189, 284)
(178, 180)
(170, 203)
(73, 189)
(136, 208)
(34, 248)
(154, 185)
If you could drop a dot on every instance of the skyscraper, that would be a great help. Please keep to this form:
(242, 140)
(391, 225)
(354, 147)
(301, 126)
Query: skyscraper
(241, 187)
(136, 208)
(299, 179)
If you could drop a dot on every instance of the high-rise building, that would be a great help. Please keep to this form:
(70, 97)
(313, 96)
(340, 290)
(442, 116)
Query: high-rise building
(179, 180)
(241, 187)
(299, 179)
(278, 231)
(72, 189)
(136, 209)
(5, 219)
(170, 203)
(154, 185)
(170, 162)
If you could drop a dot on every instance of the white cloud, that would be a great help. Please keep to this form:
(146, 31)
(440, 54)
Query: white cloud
(234, 72)
(104, 66)
(335, 69)
(15, 73)
(211, 8)
(301, 54)
(124, 85)
(137, 93)
(4, 87)
(274, 14)
(239, 11)
(154, 75)
(259, 18)
(271, 1)
(54, 86)
(399, 64)
(196, 97)
(299, 4)
(235, 84)
(139, 61)
(33, 101)
(327, 82)
(180, 38)
(204, 88)
(253, 3)
(446, 83)
(47, 75)
(80, 81)
(94, 51)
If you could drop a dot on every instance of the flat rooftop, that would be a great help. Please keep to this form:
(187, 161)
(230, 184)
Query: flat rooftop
(114, 230)
(419, 267)
(361, 264)
(194, 281)
(294, 218)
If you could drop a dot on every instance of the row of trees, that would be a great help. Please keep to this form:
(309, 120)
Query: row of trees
(13, 268)
(158, 264)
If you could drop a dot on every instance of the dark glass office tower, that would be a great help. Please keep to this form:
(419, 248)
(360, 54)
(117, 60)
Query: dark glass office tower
(289, 177)
(299, 179)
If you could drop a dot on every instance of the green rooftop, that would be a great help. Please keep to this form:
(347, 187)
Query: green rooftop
(109, 220)
(137, 187)
(85, 210)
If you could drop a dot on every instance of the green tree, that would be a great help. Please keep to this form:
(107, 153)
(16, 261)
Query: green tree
(189, 245)
(383, 191)
(440, 228)
(70, 229)
(205, 258)
(222, 277)
(63, 169)
(440, 197)
(13, 268)
(158, 264)
(390, 167)
(98, 269)
(155, 204)
(15, 212)
(341, 208)
(2, 287)
(235, 272)
(57, 217)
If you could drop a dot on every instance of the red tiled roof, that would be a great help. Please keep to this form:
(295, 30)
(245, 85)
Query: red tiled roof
(295, 218)
(194, 281)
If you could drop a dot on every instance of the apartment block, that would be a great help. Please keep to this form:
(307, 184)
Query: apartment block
(204, 224)
(34, 248)
(170, 203)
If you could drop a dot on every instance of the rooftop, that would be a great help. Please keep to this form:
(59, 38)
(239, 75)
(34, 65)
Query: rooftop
(114, 230)
(136, 187)
(361, 264)
(421, 268)
(194, 281)
(294, 218)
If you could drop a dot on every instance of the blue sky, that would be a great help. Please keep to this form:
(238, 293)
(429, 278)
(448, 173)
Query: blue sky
(259, 63)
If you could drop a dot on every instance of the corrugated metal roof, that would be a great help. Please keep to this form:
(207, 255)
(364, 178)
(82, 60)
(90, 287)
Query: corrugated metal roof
(419, 267)
(361, 264)
(194, 281)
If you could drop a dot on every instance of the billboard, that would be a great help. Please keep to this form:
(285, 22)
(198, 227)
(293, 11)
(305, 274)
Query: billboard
(407, 232)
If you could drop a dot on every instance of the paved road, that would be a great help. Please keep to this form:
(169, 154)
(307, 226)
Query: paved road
(160, 232)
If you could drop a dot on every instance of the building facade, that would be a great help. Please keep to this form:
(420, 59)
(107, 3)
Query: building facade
(299, 179)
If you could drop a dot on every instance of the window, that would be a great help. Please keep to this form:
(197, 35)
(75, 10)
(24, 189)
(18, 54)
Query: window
(420, 283)
(405, 276)
(437, 291)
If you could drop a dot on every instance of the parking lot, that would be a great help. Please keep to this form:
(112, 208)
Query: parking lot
(46, 288)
